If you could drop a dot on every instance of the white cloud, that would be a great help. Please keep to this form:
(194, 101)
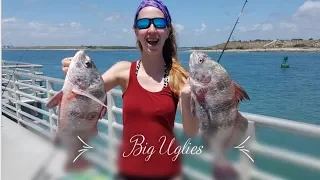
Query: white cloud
(198, 31)
(112, 18)
(267, 27)
(288, 26)
(20, 32)
(75, 25)
(301, 24)
(7, 20)
(310, 9)
(256, 27)
(178, 27)
(203, 27)
(23, 32)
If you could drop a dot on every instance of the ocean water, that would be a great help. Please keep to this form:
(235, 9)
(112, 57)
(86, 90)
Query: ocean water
(291, 93)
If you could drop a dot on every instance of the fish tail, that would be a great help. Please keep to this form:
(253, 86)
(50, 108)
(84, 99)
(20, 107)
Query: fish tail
(241, 127)
(238, 132)
(56, 140)
(205, 141)
(75, 152)
(224, 170)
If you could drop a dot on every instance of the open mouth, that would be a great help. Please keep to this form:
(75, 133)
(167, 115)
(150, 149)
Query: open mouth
(152, 41)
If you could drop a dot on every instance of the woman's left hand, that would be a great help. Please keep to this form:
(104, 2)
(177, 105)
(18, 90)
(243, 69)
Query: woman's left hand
(186, 90)
(189, 122)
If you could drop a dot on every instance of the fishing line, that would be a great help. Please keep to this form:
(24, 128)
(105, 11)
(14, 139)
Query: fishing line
(43, 167)
(14, 69)
(232, 30)
(53, 152)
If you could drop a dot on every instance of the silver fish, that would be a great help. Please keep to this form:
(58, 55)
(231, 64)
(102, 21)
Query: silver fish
(81, 103)
(214, 102)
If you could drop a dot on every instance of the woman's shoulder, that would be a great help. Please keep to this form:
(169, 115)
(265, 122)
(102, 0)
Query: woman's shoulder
(122, 65)
(118, 74)
(122, 69)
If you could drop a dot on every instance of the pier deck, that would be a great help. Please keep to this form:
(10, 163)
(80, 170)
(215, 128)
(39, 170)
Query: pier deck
(24, 153)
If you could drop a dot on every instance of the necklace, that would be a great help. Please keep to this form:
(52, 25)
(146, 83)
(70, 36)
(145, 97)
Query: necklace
(166, 73)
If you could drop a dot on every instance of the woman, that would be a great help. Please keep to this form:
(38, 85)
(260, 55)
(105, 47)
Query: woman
(152, 88)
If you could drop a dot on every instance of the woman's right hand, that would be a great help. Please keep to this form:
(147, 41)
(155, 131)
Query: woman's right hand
(65, 64)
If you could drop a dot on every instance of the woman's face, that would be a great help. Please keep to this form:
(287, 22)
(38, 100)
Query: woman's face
(152, 39)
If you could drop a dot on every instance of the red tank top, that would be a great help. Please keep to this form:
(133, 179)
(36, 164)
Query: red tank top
(148, 147)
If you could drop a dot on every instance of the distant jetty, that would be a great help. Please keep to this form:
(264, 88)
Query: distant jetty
(258, 45)
(69, 47)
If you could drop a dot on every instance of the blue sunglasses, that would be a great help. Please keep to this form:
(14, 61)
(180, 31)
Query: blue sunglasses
(144, 23)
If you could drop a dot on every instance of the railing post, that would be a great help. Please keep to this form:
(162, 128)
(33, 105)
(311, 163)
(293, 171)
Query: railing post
(245, 165)
(17, 98)
(111, 135)
(9, 85)
(49, 88)
(33, 82)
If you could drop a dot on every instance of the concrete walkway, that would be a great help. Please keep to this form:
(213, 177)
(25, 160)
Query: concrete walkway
(24, 153)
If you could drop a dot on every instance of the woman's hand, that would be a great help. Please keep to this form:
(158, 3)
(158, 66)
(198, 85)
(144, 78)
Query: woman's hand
(186, 91)
(189, 123)
(65, 64)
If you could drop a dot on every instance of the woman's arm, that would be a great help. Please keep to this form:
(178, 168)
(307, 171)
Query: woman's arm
(189, 122)
(116, 75)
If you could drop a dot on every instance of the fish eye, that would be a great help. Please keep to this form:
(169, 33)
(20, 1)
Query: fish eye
(87, 64)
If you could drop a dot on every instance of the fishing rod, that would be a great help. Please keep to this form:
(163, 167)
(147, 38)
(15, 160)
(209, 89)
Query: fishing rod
(232, 30)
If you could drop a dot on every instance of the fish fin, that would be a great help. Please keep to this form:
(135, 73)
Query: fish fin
(55, 100)
(103, 110)
(56, 140)
(83, 93)
(205, 142)
(240, 93)
(239, 131)
(241, 126)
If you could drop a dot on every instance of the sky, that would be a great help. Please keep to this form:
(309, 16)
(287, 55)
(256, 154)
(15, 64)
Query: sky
(198, 23)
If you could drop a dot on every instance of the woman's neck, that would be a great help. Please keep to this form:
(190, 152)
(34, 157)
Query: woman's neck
(152, 64)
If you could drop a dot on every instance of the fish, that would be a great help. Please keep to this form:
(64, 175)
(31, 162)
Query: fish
(215, 98)
(80, 104)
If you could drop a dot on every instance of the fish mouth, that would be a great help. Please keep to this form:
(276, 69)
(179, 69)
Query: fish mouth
(80, 53)
(202, 80)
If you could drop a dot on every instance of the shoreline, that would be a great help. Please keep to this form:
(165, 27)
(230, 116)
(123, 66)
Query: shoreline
(262, 50)
(11, 49)
(191, 50)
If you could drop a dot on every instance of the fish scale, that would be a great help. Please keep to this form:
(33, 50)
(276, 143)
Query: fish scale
(81, 101)
(214, 102)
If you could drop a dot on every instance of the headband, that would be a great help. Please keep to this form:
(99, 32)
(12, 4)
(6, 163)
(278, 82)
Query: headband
(155, 3)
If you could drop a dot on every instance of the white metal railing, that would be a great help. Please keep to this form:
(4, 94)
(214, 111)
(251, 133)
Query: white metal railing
(244, 165)
(23, 67)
